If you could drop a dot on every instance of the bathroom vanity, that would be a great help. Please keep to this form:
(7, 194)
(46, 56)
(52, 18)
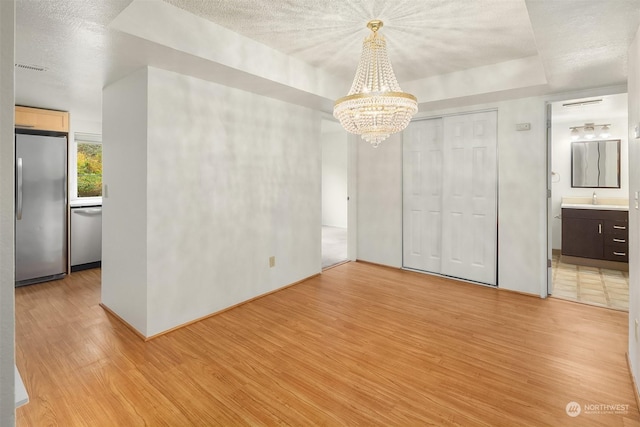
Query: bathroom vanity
(596, 235)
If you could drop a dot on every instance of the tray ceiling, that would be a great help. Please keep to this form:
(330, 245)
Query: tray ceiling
(579, 44)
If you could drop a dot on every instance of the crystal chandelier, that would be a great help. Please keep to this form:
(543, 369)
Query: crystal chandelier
(375, 107)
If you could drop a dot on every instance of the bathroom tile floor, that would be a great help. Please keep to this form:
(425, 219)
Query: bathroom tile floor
(590, 285)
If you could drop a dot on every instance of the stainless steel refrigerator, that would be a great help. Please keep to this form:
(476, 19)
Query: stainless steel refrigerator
(41, 208)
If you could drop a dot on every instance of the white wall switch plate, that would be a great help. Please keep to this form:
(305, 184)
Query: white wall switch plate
(523, 126)
(636, 131)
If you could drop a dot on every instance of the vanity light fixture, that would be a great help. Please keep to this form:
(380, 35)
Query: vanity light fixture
(589, 131)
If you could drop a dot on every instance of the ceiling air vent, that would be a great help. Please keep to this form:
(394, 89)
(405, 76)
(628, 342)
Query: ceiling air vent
(31, 67)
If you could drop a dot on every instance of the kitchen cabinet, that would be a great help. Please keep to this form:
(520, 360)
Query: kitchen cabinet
(596, 234)
(40, 119)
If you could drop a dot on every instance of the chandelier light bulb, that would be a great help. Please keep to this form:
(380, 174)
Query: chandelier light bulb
(375, 107)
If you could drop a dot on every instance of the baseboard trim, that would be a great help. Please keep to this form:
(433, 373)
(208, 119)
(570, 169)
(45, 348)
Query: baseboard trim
(80, 267)
(199, 319)
(336, 265)
(127, 324)
(378, 264)
(451, 278)
(455, 279)
(513, 291)
(633, 382)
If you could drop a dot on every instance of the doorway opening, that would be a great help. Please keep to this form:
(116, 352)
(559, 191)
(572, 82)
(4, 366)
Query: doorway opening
(334, 194)
(589, 201)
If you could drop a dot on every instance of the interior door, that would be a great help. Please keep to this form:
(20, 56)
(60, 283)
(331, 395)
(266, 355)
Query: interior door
(469, 205)
(422, 198)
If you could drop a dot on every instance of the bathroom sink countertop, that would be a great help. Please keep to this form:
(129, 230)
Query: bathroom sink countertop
(604, 203)
(592, 206)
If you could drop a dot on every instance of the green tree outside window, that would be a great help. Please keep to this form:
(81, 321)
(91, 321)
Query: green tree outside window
(89, 170)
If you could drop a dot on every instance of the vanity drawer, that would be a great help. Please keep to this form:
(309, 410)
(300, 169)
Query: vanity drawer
(616, 227)
(618, 241)
(614, 253)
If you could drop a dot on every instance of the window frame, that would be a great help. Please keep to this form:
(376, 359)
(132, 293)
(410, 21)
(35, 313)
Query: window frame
(83, 138)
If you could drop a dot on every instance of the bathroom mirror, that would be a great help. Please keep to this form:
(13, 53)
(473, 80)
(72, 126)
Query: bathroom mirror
(595, 164)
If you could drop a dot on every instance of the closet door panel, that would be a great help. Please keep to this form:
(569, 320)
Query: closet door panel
(422, 195)
(469, 203)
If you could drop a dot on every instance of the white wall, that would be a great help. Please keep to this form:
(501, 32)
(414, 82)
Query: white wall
(230, 180)
(561, 161)
(522, 202)
(218, 54)
(633, 88)
(124, 203)
(83, 126)
(353, 142)
(334, 175)
(7, 316)
(380, 201)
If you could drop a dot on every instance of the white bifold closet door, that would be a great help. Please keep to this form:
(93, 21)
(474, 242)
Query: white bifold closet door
(450, 196)
(422, 195)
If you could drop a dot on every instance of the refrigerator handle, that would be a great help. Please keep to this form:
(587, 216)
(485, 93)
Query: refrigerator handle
(19, 189)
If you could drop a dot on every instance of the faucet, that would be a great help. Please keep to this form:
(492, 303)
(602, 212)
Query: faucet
(594, 199)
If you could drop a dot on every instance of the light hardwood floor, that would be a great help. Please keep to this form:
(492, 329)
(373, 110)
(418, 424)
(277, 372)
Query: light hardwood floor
(358, 345)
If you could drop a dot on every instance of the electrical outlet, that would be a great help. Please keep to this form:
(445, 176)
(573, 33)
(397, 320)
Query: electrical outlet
(272, 261)
(523, 126)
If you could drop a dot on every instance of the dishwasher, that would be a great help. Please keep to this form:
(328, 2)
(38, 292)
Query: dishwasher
(86, 237)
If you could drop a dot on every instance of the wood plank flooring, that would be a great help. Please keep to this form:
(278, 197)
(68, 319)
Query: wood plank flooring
(358, 345)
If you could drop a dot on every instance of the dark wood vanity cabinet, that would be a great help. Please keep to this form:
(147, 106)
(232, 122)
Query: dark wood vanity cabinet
(596, 234)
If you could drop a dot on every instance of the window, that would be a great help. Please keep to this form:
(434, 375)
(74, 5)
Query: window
(88, 165)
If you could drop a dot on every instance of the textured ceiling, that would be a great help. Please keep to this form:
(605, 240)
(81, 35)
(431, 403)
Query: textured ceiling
(424, 37)
(581, 43)
(70, 39)
(584, 43)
